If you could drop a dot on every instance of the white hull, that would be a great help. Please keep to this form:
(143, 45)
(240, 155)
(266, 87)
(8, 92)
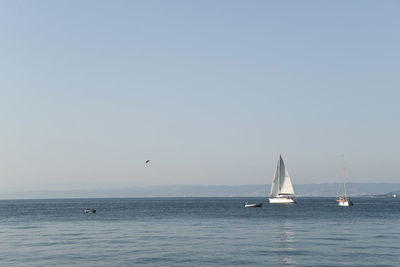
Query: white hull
(345, 203)
(282, 200)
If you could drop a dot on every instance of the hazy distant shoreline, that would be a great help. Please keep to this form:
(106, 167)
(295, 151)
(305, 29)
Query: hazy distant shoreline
(302, 190)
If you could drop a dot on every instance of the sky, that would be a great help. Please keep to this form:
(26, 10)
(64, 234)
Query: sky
(210, 91)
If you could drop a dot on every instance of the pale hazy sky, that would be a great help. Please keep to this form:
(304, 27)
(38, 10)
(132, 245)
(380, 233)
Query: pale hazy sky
(210, 91)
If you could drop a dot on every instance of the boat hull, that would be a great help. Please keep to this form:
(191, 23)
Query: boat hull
(282, 200)
(345, 203)
(256, 205)
(89, 211)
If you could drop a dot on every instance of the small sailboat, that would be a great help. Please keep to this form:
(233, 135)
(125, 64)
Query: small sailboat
(342, 199)
(252, 205)
(282, 189)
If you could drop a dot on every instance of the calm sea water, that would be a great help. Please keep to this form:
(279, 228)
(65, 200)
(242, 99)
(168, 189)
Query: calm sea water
(199, 232)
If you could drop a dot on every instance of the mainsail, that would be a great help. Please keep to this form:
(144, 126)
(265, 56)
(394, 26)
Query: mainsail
(281, 185)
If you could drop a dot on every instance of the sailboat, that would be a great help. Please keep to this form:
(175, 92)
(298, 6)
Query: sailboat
(342, 199)
(281, 189)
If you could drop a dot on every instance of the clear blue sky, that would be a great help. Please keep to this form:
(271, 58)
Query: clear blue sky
(211, 91)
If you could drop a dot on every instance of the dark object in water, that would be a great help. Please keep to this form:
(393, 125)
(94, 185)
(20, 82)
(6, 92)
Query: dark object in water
(255, 205)
(87, 210)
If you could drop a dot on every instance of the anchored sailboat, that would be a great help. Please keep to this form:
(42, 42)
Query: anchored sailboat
(281, 189)
(342, 199)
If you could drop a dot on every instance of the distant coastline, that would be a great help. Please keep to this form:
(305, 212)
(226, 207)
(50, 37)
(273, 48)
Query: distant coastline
(260, 190)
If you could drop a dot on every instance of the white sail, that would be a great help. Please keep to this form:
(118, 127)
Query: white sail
(286, 184)
(275, 182)
(281, 185)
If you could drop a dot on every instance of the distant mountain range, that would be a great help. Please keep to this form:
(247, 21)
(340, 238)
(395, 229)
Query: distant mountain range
(302, 190)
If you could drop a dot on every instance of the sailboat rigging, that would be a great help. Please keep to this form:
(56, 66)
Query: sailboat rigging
(342, 199)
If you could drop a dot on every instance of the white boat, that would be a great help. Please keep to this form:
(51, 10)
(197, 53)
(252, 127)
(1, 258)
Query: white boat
(282, 189)
(342, 199)
(252, 205)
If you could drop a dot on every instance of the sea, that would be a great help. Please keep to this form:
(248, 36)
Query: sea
(199, 232)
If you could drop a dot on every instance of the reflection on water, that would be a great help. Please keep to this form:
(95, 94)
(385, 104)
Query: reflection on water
(284, 239)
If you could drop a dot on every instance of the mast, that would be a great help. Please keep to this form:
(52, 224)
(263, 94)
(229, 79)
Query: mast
(279, 173)
(276, 181)
(344, 177)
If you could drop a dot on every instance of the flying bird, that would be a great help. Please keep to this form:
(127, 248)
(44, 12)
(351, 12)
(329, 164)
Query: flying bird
(147, 161)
